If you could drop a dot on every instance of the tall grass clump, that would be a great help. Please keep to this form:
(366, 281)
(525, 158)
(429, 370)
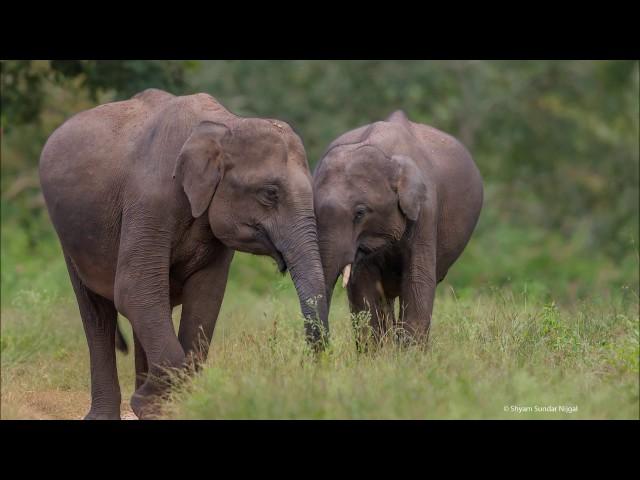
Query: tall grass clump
(485, 355)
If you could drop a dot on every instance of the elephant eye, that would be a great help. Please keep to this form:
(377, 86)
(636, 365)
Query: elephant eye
(269, 195)
(359, 213)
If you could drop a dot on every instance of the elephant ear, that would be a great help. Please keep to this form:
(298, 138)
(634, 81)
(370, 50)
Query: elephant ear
(410, 186)
(200, 164)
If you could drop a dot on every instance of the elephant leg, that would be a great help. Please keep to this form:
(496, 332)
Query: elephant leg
(142, 366)
(150, 317)
(418, 289)
(387, 320)
(366, 294)
(202, 296)
(142, 295)
(392, 275)
(99, 318)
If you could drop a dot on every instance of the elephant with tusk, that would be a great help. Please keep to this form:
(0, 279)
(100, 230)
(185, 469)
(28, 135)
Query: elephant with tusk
(396, 202)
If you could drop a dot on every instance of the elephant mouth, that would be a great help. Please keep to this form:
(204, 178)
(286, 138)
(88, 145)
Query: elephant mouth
(274, 253)
(362, 253)
(282, 265)
(365, 254)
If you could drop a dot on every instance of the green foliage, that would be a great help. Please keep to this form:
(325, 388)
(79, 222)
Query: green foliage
(556, 142)
(24, 82)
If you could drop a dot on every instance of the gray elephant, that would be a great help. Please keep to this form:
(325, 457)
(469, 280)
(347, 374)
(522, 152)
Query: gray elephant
(150, 197)
(396, 202)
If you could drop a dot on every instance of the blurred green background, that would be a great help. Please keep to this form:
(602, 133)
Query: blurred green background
(556, 142)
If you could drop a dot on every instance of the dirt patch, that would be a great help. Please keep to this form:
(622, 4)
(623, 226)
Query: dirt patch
(44, 405)
(51, 405)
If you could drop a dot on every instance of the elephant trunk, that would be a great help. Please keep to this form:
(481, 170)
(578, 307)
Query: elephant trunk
(300, 251)
(331, 270)
(336, 254)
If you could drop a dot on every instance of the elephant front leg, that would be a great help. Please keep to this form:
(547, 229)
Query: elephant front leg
(367, 296)
(150, 316)
(202, 297)
(141, 294)
(417, 292)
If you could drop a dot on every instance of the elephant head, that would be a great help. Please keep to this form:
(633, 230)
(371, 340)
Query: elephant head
(365, 199)
(251, 178)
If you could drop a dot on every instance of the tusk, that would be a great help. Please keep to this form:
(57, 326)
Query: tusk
(346, 272)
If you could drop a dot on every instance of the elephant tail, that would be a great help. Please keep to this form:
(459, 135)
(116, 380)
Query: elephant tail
(121, 343)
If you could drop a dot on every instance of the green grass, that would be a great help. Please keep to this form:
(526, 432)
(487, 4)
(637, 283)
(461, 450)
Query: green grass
(45, 359)
(491, 348)
(485, 354)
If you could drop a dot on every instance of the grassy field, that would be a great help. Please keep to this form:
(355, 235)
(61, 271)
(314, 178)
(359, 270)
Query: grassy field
(493, 354)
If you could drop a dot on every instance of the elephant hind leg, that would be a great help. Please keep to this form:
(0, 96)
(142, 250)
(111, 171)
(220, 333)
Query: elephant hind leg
(99, 318)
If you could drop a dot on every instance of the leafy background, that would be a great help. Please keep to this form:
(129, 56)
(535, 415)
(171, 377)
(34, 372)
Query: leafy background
(556, 142)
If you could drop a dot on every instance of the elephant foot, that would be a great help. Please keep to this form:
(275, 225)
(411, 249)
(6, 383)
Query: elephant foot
(93, 415)
(145, 407)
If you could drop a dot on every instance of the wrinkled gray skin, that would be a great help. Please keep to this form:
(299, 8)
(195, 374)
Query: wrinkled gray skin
(150, 197)
(398, 200)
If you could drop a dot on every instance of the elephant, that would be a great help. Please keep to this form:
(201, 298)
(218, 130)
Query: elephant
(150, 197)
(396, 202)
